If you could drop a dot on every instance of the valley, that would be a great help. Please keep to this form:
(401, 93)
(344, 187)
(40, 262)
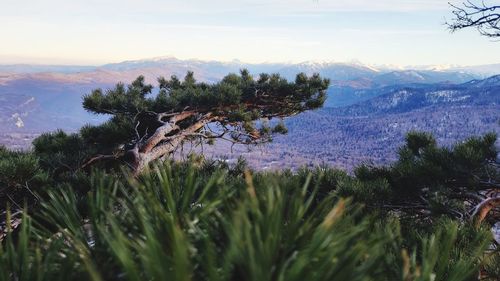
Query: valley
(364, 120)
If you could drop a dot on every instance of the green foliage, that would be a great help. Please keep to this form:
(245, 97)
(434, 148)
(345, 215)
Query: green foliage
(444, 245)
(175, 95)
(108, 136)
(280, 128)
(432, 166)
(417, 142)
(60, 152)
(184, 223)
(236, 102)
(20, 175)
(492, 264)
(438, 179)
(209, 220)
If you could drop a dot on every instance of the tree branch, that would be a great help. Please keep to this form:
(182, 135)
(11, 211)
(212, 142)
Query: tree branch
(98, 158)
(483, 208)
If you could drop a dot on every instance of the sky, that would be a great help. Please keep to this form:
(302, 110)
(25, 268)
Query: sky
(377, 32)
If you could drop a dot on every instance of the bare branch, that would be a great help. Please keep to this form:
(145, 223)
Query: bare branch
(483, 208)
(98, 158)
(485, 18)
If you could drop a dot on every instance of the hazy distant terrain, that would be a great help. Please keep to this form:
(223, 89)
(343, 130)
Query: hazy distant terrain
(365, 118)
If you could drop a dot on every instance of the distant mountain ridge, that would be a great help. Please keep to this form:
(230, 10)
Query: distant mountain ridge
(36, 68)
(350, 82)
(57, 90)
(481, 71)
(404, 98)
(337, 71)
(365, 117)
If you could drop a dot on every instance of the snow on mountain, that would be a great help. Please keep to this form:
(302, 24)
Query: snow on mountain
(406, 98)
(56, 91)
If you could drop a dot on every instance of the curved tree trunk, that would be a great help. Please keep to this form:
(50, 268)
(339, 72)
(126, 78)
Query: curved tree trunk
(163, 142)
(483, 208)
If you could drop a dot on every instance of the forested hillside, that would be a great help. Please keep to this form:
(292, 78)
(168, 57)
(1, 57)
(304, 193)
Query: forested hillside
(371, 131)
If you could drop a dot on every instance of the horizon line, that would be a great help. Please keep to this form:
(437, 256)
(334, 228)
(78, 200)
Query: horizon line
(236, 60)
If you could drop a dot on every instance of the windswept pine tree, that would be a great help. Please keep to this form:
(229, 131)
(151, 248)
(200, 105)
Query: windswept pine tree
(143, 127)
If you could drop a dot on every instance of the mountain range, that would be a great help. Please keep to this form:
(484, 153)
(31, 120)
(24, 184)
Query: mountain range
(363, 103)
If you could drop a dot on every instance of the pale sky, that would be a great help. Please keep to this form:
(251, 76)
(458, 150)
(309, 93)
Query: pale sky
(397, 32)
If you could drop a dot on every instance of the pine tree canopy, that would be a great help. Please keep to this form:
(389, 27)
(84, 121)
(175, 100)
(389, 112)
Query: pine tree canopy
(238, 108)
